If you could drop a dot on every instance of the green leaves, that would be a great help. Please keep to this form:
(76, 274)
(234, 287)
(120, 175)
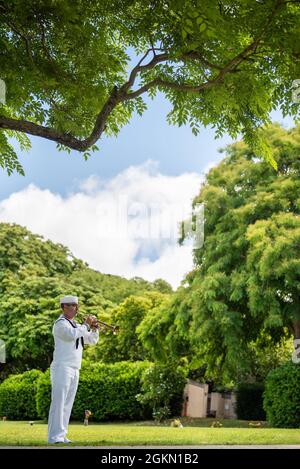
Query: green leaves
(260, 145)
(18, 396)
(281, 396)
(245, 284)
(8, 158)
(162, 389)
(202, 27)
(226, 66)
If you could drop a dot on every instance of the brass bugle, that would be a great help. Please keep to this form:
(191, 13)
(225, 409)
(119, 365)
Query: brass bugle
(109, 326)
(114, 329)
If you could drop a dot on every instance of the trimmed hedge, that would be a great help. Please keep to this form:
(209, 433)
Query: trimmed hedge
(249, 401)
(107, 390)
(18, 396)
(43, 395)
(282, 396)
(119, 391)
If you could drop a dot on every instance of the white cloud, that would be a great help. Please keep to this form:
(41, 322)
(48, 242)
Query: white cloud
(124, 226)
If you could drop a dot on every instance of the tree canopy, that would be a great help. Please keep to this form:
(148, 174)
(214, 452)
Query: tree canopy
(244, 290)
(66, 67)
(127, 344)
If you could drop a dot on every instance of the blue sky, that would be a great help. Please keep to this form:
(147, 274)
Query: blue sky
(149, 162)
(176, 149)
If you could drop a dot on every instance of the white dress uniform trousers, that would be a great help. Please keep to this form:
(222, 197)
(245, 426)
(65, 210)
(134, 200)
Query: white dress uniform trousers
(69, 338)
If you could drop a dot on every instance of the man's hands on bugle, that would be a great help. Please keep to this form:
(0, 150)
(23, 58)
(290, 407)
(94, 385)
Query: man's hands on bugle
(92, 321)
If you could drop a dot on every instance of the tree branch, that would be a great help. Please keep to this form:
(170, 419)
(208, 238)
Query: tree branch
(120, 95)
(23, 36)
(197, 56)
(139, 68)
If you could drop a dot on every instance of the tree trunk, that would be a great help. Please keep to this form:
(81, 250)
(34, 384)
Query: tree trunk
(296, 329)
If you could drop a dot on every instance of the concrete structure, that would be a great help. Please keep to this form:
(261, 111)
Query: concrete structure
(195, 399)
(222, 405)
(197, 402)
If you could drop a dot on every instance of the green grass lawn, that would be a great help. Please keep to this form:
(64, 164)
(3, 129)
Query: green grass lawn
(194, 432)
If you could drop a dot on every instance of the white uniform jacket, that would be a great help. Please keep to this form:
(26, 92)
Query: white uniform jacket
(69, 338)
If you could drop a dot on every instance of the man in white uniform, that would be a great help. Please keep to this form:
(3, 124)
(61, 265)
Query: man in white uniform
(69, 338)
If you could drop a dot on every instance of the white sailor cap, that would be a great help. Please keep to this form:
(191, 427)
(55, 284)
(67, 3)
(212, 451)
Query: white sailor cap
(69, 299)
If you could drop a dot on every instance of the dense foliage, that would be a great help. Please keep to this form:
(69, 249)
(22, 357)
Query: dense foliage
(282, 396)
(249, 401)
(162, 390)
(18, 396)
(127, 344)
(241, 300)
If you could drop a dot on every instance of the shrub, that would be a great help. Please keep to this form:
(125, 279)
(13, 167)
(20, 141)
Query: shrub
(249, 401)
(43, 395)
(162, 390)
(18, 396)
(107, 390)
(282, 396)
